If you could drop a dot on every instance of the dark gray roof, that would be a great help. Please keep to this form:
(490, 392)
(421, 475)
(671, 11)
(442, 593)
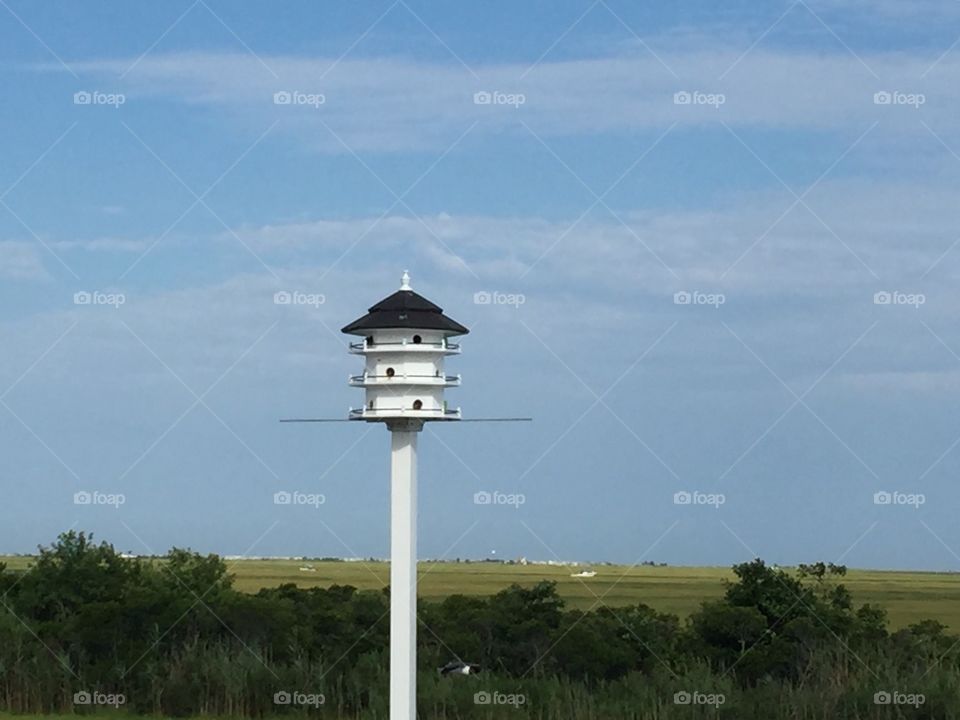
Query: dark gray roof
(405, 309)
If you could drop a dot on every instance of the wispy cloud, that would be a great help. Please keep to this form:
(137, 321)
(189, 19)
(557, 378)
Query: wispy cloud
(22, 261)
(898, 228)
(429, 104)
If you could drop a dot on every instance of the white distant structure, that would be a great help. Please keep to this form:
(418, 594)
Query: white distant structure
(405, 340)
(585, 574)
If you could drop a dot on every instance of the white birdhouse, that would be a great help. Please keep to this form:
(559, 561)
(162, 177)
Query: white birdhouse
(405, 340)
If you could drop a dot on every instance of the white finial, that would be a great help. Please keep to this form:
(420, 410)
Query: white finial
(405, 281)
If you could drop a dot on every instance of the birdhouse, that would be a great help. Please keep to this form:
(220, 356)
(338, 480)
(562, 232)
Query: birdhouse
(405, 339)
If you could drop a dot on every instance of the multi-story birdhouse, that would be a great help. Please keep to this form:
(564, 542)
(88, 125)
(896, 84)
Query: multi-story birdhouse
(405, 339)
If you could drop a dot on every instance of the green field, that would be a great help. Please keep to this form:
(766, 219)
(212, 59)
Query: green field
(907, 596)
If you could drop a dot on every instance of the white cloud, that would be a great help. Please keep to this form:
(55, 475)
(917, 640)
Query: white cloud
(428, 105)
(900, 232)
(104, 244)
(923, 11)
(22, 261)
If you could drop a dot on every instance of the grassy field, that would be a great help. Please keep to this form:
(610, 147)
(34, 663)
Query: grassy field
(907, 596)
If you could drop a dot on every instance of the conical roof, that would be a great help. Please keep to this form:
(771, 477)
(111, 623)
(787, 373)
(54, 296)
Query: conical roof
(405, 309)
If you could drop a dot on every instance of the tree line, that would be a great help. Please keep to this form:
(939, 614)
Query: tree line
(84, 630)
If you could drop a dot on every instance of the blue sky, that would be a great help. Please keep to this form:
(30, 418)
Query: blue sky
(815, 165)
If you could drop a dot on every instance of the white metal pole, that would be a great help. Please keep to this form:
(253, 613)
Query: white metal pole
(403, 573)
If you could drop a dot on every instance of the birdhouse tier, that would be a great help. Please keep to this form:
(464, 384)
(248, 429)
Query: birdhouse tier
(405, 341)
